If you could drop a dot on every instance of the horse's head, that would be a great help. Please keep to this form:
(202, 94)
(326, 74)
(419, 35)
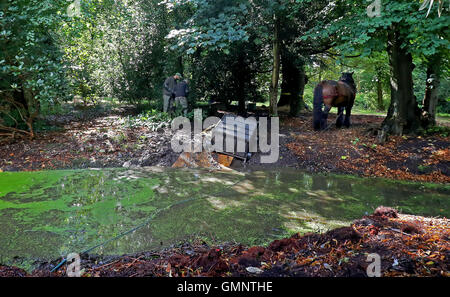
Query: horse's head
(347, 77)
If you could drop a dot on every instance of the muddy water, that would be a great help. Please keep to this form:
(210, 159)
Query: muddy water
(46, 215)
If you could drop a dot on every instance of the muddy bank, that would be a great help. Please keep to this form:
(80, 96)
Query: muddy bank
(356, 151)
(88, 139)
(407, 246)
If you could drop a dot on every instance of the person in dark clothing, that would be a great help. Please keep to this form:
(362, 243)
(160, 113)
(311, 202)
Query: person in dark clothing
(181, 94)
(169, 91)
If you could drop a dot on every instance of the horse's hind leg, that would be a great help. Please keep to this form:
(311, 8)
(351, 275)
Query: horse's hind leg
(340, 118)
(348, 113)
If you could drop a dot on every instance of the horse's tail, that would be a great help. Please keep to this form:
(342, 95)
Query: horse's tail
(318, 106)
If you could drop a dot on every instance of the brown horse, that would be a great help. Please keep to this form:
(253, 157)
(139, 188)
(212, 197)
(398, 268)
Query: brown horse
(340, 94)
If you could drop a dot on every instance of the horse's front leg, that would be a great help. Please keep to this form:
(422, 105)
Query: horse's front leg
(340, 118)
(326, 111)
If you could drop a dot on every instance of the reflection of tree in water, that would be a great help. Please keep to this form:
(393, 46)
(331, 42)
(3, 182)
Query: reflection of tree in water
(319, 183)
(415, 198)
(343, 186)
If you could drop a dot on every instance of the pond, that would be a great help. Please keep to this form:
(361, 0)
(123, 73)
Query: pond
(47, 215)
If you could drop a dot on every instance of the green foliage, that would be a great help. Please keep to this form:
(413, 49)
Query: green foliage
(152, 119)
(364, 34)
(442, 131)
(213, 26)
(227, 78)
(118, 49)
(32, 71)
(356, 141)
(191, 114)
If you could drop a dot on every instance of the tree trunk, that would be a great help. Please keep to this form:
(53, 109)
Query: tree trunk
(403, 115)
(432, 91)
(380, 92)
(293, 84)
(275, 71)
(19, 97)
(300, 102)
(290, 80)
(27, 107)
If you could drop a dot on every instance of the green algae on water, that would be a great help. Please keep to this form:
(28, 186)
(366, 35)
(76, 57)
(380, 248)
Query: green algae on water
(49, 214)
